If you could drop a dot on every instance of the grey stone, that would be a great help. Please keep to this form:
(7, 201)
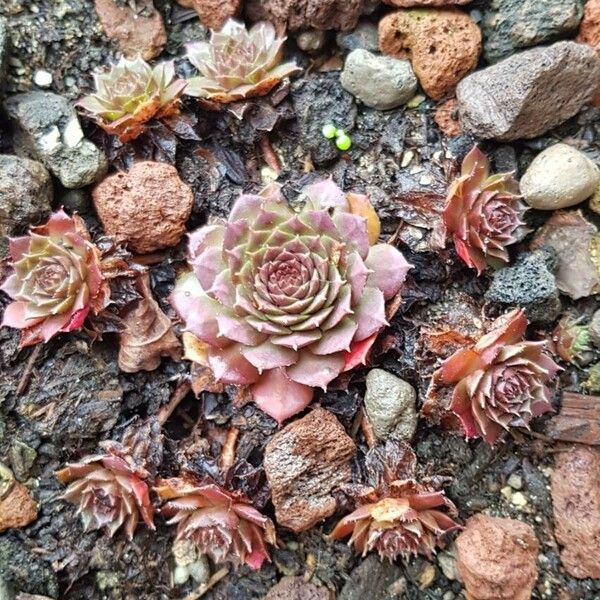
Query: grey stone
(364, 37)
(379, 82)
(47, 129)
(559, 177)
(311, 40)
(594, 329)
(530, 284)
(319, 101)
(4, 51)
(371, 580)
(529, 93)
(25, 195)
(390, 405)
(512, 25)
(76, 201)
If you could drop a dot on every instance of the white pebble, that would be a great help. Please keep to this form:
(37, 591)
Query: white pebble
(42, 78)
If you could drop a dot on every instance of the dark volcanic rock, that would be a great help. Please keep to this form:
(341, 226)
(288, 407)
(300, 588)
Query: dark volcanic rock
(529, 93)
(304, 463)
(511, 25)
(371, 579)
(317, 102)
(529, 283)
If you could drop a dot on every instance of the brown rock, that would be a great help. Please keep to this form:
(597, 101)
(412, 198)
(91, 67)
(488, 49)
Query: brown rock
(446, 117)
(442, 44)
(17, 507)
(214, 13)
(295, 588)
(589, 32)
(578, 420)
(307, 14)
(304, 463)
(146, 208)
(140, 31)
(575, 487)
(417, 3)
(497, 558)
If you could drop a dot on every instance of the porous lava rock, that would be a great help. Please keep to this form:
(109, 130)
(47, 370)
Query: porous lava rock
(17, 508)
(589, 32)
(214, 13)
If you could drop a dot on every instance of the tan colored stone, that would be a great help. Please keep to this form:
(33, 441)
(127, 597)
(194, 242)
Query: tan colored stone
(497, 558)
(133, 32)
(295, 588)
(214, 13)
(304, 463)
(446, 118)
(146, 207)
(17, 508)
(575, 487)
(443, 45)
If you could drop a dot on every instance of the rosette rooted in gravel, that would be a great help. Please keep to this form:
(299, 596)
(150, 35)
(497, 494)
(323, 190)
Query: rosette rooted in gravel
(222, 524)
(109, 491)
(286, 301)
(501, 381)
(238, 63)
(483, 212)
(130, 94)
(56, 280)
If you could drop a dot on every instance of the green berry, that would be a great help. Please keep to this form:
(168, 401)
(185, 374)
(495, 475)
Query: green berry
(343, 141)
(329, 131)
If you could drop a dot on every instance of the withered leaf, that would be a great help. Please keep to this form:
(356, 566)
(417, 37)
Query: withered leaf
(148, 335)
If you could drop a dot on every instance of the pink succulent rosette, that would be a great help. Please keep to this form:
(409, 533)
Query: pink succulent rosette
(483, 212)
(237, 63)
(56, 279)
(500, 382)
(221, 524)
(109, 493)
(285, 301)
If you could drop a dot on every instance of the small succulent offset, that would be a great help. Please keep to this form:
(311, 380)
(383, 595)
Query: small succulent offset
(573, 341)
(130, 94)
(483, 213)
(396, 515)
(501, 381)
(109, 490)
(56, 280)
(285, 301)
(222, 524)
(238, 63)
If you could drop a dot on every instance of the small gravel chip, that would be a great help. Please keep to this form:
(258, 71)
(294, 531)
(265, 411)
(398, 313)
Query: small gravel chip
(42, 78)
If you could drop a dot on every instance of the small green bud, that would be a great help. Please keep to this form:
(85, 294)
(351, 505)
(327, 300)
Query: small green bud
(343, 141)
(329, 131)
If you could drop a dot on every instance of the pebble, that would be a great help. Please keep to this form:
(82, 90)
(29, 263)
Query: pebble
(25, 195)
(146, 207)
(295, 588)
(214, 13)
(17, 507)
(571, 235)
(589, 32)
(515, 481)
(530, 284)
(372, 579)
(594, 329)
(379, 82)
(443, 45)
(512, 25)
(424, 3)
(47, 128)
(134, 33)
(390, 405)
(519, 500)
(364, 37)
(4, 50)
(446, 118)
(559, 177)
(304, 463)
(42, 78)
(311, 41)
(529, 93)
(575, 488)
(497, 558)
(447, 562)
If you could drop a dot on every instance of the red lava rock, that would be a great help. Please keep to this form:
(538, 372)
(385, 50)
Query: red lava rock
(575, 487)
(307, 14)
(497, 558)
(214, 13)
(443, 45)
(420, 3)
(446, 117)
(589, 32)
(146, 207)
(295, 588)
(133, 33)
(304, 463)
(17, 508)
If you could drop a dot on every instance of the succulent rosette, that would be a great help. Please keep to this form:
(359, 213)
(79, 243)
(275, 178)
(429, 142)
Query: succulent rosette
(285, 301)
(131, 93)
(483, 213)
(501, 381)
(109, 490)
(238, 63)
(56, 279)
(397, 517)
(222, 524)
